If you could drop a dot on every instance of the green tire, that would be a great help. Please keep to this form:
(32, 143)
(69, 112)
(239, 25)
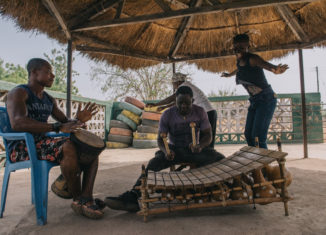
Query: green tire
(126, 120)
(144, 144)
(131, 108)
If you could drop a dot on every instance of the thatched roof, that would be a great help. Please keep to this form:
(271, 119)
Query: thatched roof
(137, 33)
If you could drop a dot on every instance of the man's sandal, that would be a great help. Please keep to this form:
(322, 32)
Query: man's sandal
(92, 211)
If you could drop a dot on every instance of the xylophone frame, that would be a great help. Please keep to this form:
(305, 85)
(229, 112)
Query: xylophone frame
(145, 198)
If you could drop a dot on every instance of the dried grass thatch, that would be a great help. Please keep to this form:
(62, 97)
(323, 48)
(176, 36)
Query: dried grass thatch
(208, 35)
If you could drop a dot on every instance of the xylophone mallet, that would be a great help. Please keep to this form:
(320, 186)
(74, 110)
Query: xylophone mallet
(193, 133)
(165, 141)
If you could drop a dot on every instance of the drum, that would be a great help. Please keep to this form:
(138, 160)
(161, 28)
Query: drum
(88, 145)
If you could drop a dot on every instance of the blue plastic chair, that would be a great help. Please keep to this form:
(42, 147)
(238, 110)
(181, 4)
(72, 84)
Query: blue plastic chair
(39, 168)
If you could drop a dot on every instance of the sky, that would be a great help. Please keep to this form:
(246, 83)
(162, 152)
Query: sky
(18, 47)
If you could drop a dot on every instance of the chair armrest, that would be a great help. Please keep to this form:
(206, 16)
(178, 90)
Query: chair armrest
(54, 134)
(29, 140)
(15, 136)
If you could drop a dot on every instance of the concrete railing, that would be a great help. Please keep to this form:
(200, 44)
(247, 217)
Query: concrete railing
(231, 110)
(98, 125)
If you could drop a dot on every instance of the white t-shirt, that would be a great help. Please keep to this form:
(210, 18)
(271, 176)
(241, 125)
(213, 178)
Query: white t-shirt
(200, 98)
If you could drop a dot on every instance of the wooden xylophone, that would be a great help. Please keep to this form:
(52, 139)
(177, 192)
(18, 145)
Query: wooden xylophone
(207, 186)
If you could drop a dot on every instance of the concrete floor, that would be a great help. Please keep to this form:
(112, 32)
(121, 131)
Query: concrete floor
(119, 169)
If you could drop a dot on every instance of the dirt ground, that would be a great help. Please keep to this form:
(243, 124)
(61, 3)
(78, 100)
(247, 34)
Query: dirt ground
(119, 170)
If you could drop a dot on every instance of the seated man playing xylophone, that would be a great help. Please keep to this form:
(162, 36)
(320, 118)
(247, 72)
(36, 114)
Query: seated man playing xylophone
(175, 122)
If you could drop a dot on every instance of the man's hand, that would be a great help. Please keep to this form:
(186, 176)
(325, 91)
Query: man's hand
(195, 149)
(71, 126)
(281, 68)
(170, 156)
(87, 113)
(225, 75)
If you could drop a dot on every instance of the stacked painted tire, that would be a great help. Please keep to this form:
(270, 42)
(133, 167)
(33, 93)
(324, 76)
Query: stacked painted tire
(146, 135)
(121, 130)
(120, 135)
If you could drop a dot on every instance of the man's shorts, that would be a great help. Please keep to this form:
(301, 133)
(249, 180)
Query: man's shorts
(47, 148)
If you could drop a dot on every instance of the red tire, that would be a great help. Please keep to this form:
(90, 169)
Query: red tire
(135, 102)
(120, 131)
(151, 116)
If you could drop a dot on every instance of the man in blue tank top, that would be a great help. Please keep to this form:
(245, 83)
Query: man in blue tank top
(29, 108)
(250, 75)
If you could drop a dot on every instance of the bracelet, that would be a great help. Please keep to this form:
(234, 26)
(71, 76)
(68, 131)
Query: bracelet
(56, 127)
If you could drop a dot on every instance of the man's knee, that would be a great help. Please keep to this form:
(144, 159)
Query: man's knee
(69, 150)
(157, 163)
(213, 155)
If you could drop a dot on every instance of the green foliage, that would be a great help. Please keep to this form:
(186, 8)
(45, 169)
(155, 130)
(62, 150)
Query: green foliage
(13, 73)
(58, 61)
(149, 83)
(222, 92)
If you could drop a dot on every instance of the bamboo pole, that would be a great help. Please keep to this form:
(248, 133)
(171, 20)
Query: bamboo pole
(211, 204)
(284, 197)
(144, 194)
(215, 192)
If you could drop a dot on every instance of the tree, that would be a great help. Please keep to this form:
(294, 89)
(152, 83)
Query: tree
(222, 92)
(58, 61)
(13, 73)
(17, 74)
(149, 83)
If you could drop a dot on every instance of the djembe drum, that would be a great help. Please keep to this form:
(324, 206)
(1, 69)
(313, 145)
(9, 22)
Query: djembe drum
(88, 145)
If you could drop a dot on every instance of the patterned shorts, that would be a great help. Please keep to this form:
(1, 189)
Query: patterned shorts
(47, 148)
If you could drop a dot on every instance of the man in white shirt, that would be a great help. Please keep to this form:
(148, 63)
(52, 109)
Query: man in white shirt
(200, 99)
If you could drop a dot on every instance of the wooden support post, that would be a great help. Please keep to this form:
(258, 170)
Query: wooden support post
(279, 144)
(303, 107)
(69, 73)
(144, 194)
(281, 163)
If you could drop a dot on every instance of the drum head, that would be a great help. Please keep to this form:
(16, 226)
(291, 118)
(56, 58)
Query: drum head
(89, 138)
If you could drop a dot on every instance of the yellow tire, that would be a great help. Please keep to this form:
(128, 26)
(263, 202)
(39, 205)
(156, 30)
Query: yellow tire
(116, 145)
(154, 109)
(135, 118)
(145, 136)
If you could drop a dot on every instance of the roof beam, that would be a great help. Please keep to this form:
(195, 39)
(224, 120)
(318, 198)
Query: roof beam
(229, 6)
(119, 9)
(114, 50)
(91, 12)
(237, 25)
(120, 53)
(183, 30)
(53, 9)
(293, 23)
(94, 40)
(178, 4)
(228, 54)
(214, 2)
(163, 5)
